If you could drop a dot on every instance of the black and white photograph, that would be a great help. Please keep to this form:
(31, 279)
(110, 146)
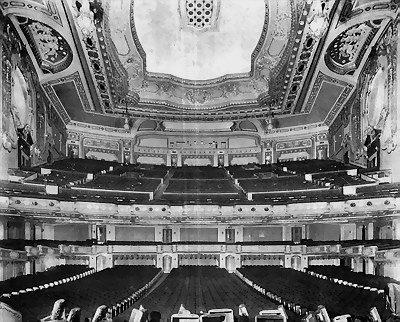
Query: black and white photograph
(199, 161)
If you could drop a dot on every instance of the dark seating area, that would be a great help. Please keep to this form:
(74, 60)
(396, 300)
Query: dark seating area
(346, 274)
(314, 166)
(277, 184)
(338, 179)
(52, 274)
(309, 292)
(187, 172)
(146, 171)
(82, 165)
(120, 183)
(60, 178)
(105, 287)
(193, 186)
(256, 171)
(201, 288)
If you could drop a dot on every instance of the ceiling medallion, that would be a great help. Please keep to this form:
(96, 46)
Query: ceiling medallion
(199, 15)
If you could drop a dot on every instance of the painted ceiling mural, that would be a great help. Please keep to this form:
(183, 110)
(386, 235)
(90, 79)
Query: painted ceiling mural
(192, 60)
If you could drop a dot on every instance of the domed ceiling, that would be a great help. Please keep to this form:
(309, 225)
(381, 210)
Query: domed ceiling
(237, 49)
(200, 60)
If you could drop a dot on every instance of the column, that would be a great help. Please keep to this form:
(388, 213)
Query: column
(305, 231)
(239, 234)
(176, 233)
(48, 231)
(348, 231)
(28, 232)
(81, 152)
(3, 228)
(286, 233)
(370, 231)
(39, 231)
(110, 232)
(221, 234)
(356, 264)
(396, 228)
(158, 234)
(28, 267)
(370, 266)
(92, 231)
(2, 270)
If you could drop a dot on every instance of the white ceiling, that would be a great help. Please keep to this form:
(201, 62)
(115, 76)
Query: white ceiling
(198, 54)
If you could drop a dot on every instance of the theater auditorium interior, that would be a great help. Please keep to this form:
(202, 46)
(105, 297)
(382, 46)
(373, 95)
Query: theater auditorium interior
(199, 160)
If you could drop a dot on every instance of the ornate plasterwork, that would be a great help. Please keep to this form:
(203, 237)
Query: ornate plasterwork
(171, 94)
(345, 53)
(378, 107)
(48, 8)
(51, 50)
(200, 15)
(76, 79)
(316, 88)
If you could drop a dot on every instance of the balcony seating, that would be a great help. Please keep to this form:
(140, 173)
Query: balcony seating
(314, 166)
(346, 274)
(52, 274)
(338, 179)
(255, 171)
(146, 171)
(60, 178)
(120, 183)
(309, 292)
(199, 173)
(105, 287)
(82, 165)
(280, 184)
(201, 186)
(201, 288)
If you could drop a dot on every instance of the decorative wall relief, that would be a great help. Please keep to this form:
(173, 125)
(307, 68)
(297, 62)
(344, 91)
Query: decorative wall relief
(184, 95)
(48, 8)
(200, 15)
(28, 117)
(345, 53)
(379, 103)
(295, 150)
(101, 149)
(51, 50)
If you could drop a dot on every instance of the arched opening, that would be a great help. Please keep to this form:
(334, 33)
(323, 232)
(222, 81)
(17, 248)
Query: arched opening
(101, 262)
(295, 262)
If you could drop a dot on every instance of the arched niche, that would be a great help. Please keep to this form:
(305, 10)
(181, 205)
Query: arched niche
(148, 125)
(247, 126)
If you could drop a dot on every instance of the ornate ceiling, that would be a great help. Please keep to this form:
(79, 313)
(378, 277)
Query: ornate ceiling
(199, 60)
